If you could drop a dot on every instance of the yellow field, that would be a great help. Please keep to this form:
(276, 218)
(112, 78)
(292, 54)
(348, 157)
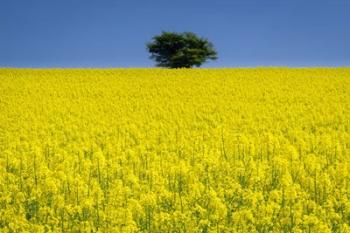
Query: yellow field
(157, 150)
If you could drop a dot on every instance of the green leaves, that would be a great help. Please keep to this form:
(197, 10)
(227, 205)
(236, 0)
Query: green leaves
(180, 50)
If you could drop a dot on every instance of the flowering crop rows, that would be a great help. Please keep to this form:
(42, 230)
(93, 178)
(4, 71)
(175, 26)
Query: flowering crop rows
(158, 150)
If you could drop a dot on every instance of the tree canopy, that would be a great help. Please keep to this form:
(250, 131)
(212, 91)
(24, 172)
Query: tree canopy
(180, 50)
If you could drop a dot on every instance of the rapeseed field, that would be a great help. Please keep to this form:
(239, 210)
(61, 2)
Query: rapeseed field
(185, 150)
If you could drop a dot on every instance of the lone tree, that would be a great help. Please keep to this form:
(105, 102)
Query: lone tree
(180, 50)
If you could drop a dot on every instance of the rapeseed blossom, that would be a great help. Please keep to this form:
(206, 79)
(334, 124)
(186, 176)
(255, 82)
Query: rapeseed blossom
(158, 150)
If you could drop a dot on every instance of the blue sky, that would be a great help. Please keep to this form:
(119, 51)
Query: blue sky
(113, 33)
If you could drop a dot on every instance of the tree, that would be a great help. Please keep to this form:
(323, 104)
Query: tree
(177, 50)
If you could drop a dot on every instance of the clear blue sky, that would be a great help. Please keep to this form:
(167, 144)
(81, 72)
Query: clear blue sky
(113, 33)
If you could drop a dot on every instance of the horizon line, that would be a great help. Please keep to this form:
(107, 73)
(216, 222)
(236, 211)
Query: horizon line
(168, 68)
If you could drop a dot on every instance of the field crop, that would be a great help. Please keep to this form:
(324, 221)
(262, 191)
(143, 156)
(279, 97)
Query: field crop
(158, 150)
